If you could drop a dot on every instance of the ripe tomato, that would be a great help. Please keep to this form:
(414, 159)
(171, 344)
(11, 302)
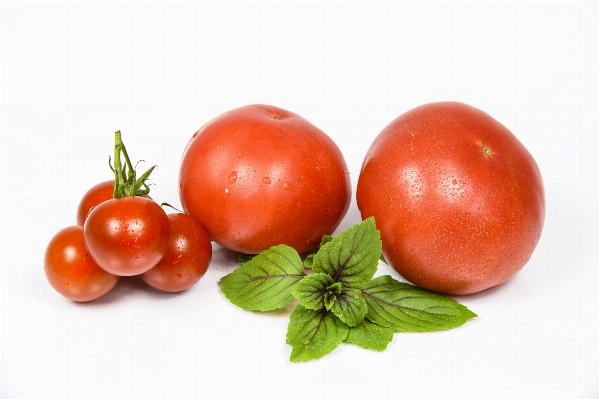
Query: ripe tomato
(127, 236)
(187, 258)
(259, 176)
(96, 195)
(71, 271)
(457, 198)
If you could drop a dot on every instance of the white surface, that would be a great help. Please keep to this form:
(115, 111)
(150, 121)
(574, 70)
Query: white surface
(72, 73)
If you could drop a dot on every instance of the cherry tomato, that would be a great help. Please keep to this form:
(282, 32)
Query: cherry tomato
(127, 236)
(259, 176)
(71, 271)
(459, 201)
(96, 195)
(187, 258)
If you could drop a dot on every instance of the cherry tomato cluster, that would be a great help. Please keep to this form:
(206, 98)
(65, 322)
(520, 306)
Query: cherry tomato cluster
(121, 231)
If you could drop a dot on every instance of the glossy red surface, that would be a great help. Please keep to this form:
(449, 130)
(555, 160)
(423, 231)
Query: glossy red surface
(71, 271)
(94, 196)
(187, 258)
(259, 176)
(459, 201)
(127, 236)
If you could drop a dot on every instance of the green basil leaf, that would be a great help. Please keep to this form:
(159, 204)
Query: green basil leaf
(404, 307)
(352, 257)
(309, 261)
(329, 300)
(325, 239)
(314, 333)
(311, 290)
(370, 336)
(264, 282)
(350, 306)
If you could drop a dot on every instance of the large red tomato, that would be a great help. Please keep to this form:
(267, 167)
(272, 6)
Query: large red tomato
(459, 201)
(259, 176)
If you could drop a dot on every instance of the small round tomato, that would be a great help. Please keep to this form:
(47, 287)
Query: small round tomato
(459, 201)
(187, 258)
(127, 236)
(96, 195)
(71, 271)
(259, 176)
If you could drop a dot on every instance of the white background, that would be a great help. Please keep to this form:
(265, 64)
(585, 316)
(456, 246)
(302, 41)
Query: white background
(73, 73)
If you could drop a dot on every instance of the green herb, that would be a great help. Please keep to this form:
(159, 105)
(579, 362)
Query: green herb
(264, 282)
(352, 257)
(340, 301)
(309, 261)
(314, 333)
(370, 336)
(311, 291)
(349, 306)
(405, 307)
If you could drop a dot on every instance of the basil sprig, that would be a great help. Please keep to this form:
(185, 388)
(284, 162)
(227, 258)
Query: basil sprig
(340, 301)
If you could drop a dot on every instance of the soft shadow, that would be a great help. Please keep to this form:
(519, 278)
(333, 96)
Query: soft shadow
(127, 287)
(224, 261)
(351, 217)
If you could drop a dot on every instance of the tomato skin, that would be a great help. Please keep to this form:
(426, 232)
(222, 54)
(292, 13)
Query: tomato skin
(93, 197)
(259, 176)
(187, 259)
(459, 201)
(127, 236)
(71, 271)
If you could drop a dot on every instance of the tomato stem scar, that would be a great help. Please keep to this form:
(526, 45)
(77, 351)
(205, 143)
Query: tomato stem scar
(486, 150)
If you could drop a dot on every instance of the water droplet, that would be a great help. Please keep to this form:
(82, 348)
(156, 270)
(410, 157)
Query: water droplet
(226, 190)
(232, 177)
(266, 179)
(240, 154)
(288, 185)
(65, 282)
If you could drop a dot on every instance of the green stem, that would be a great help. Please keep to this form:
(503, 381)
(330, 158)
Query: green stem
(119, 182)
(125, 182)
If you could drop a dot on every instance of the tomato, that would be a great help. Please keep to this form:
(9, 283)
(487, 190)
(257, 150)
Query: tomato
(259, 176)
(459, 201)
(127, 236)
(71, 271)
(96, 195)
(186, 259)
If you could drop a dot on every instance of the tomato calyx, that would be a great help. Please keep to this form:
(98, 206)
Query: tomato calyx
(126, 182)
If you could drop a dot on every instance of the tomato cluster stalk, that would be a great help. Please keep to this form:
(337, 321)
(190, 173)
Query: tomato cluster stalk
(126, 183)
